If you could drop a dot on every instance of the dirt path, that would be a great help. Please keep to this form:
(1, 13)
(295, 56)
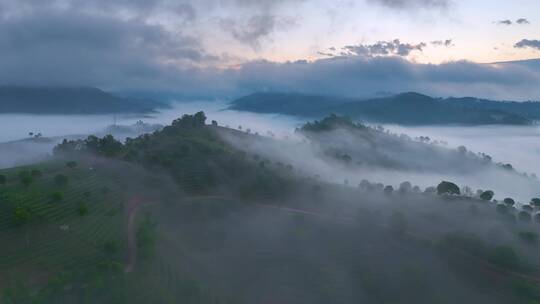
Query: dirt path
(133, 207)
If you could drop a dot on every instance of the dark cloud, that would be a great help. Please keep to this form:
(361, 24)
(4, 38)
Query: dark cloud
(361, 76)
(521, 21)
(504, 22)
(406, 4)
(394, 48)
(256, 28)
(526, 43)
(445, 43)
(65, 47)
(120, 45)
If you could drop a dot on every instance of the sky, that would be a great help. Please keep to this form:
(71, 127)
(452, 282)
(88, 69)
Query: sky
(227, 48)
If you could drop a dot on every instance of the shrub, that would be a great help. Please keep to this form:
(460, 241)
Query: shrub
(21, 215)
(27, 180)
(82, 209)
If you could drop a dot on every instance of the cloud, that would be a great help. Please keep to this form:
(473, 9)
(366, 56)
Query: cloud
(526, 43)
(520, 21)
(123, 45)
(394, 47)
(256, 28)
(445, 43)
(363, 76)
(504, 22)
(407, 4)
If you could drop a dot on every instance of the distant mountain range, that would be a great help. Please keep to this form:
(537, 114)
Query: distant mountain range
(69, 100)
(407, 108)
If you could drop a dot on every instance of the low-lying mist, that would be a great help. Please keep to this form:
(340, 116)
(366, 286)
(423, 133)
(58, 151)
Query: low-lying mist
(506, 144)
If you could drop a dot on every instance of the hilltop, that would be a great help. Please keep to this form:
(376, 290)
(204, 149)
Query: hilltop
(69, 100)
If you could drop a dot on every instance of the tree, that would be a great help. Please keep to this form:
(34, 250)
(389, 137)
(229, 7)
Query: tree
(388, 189)
(61, 180)
(487, 195)
(447, 188)
(3, 179)
(430, 190)
(535, 202)
(214, 123)
(82, 209)
(509, 201)
(405, 187)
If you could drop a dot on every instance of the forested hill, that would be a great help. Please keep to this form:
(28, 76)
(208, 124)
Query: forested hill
(69, 100)
(407, 108)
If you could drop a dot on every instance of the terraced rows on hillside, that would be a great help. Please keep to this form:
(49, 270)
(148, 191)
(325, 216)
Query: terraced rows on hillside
(57, 237)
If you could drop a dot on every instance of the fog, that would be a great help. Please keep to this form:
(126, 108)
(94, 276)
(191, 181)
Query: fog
(517, 145)
(16, 148)
(507, 144)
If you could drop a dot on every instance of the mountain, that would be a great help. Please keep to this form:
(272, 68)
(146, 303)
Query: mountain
(286, 103)
(407, 108)
(69, 100)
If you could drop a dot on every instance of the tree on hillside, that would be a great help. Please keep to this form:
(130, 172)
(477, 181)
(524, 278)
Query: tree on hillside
(446, 187)
(509, 201)
(3, 179)
(388, 189)
(487, 195)
(405, 187)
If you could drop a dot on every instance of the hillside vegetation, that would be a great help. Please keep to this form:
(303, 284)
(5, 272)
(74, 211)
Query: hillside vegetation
(184, 216)
(69, 100)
